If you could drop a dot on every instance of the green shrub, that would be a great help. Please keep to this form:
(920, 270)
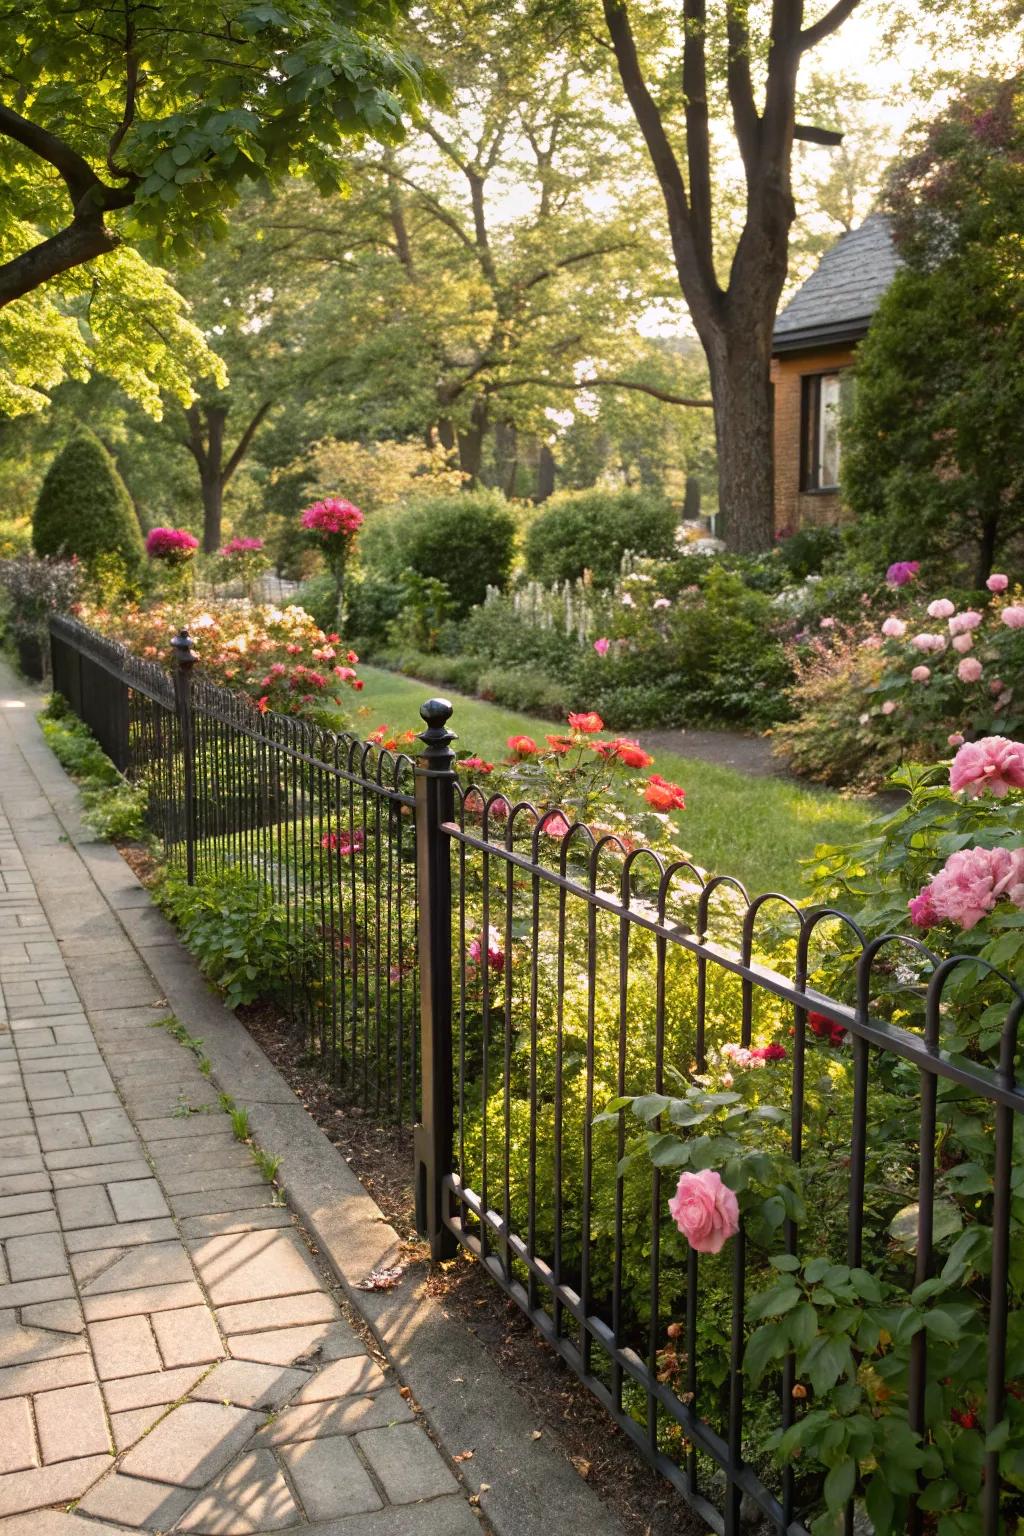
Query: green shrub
(527, 689)
(319, 597)
(466, 540)
(113, 808)
(591, 531)
(373, 602)
(84, 508)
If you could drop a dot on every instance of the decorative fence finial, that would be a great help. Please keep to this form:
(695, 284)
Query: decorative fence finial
(437, 738)
(184, 652)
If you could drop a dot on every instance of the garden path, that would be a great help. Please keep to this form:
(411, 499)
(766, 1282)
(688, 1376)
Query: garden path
(728, 749)
(171, 1356)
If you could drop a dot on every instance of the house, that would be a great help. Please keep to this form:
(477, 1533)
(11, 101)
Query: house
(813, 347)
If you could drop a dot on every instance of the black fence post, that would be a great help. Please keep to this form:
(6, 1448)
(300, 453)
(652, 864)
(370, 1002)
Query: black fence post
(184, 660)
(435, 804)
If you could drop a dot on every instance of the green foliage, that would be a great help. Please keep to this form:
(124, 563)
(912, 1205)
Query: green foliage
(465, 540)
(934, 448)
(318, 595)
(426, 605)
(238, 931)
(114, 809)
(84, 508)
(579, 531)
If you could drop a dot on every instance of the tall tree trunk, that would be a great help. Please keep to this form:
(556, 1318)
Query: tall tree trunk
(213, 507)
(546, 468)
(691, 500)
(741, 388)
(471, 445)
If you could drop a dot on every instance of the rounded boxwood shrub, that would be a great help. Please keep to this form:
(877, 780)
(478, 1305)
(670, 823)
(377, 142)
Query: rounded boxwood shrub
(465, 539)
(591, 531)
(84, 508)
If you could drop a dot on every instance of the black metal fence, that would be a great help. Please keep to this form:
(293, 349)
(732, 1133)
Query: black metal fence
(558, 974)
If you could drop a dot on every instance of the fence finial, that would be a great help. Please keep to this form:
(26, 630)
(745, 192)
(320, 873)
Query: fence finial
(437, 738)
(184, 652)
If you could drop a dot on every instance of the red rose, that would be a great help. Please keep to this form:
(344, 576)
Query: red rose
(664, 796)
(588, 722)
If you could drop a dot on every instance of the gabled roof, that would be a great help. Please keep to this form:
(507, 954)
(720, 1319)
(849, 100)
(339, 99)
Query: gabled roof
(837, 301)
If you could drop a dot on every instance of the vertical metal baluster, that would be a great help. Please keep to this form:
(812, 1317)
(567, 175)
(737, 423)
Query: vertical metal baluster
(506, 1204)
(620, 1089)
(586, 1299)
(655, 1325)
(999, 1283)
(558, 1312)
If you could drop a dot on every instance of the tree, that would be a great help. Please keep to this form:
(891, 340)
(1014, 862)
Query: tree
(84, 508)
(933, 453)
(731, 71)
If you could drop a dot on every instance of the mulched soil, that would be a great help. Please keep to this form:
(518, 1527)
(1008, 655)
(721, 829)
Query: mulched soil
(381, 1157)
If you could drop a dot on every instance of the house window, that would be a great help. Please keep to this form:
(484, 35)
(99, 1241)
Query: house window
(823, 395)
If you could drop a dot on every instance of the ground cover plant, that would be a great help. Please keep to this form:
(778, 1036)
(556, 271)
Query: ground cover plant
(114, 807)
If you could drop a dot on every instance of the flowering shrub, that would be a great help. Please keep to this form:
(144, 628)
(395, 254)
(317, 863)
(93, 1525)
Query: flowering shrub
(243, 560)
(34, 587)
(175, 545)
(333, 524)
(277, 656)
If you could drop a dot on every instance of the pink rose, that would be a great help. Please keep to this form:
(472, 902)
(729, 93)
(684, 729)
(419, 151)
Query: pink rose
(994, 763)
(969, 670)
(942, 608)
(921, 674)
(1013, 616)
(889, 707)
(963, 643)
(556, 826)
(972, 880)
(495, 953)
(997, 582)
(922, 913)
(602, 646)
(894, 627)
(705, 1210)
(960, 623)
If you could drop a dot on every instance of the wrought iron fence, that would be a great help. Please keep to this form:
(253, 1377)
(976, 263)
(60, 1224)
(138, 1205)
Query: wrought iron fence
(325, 821)
(558, 974)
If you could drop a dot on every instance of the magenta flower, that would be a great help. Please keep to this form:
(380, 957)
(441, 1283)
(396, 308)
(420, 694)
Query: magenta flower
(242, 547)
(901, 572)
(495, 953)
(994, 763)
(602, 646)
(922, 912)
(333, 516)
(175, 545)
(705, 1210)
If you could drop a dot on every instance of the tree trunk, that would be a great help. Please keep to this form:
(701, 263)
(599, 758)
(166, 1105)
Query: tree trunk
(986, 548)
(741, 387)
(213, 506)
(546, 468)
(691, 500)
(471, 445)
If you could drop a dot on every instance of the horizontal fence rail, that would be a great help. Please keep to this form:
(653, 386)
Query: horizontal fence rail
(575, 1022)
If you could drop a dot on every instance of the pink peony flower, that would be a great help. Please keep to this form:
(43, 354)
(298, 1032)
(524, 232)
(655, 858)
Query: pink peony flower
(175, 545)
(332, 516)
(495, 953)
(994, 763)
(662, 602)
(705, 1210)
(926, 643)
(921, 674)
(969, 670)
(894, 627)
(889, 707)
(955, 738)
(602, 646)
(963, 643)
(997, 582)
(901, 572)
(1013, 616)
(556, 826)
(942, 608)
(922, 912)
(972, 880)
(864, 718)
(962, 623)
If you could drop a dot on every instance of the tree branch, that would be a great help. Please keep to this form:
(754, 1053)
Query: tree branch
(809, 134)
(832, 20)
(698, 137)
(574, 260)
(741, 88)
(606, 383)
(131, 85)
(242, 446)
(194, 442)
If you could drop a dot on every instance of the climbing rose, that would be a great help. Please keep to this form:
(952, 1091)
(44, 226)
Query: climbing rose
(175, 545)
(1013, 616)
(495, 953)
(602, 646)
(921, 674)
(824, 1027)
(626, 750)
(969, 670)
(589, 722)
(972, 880)
(705, 1210)
(901, 572)
(993, 763)
(942, 608)
(894, 627)
(663, 795)
(961, 623)
(997, 582)
(332, 516)
(522, 746)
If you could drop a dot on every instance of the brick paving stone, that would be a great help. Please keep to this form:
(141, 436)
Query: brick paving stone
(437, 1517)
(282, 1312)
(238, 1221)
(88, 1207)
(55, 1522)
(121, 1234)
(341, 1378)
(49, 1485)
(192, 1444)
(125, 1346)
(145, 1264)
(310, 1421)
(253, 1265)
(290, 1346)
(90, 1157)
(134, 1423)
(256, 1192)
(252, 1496)
(32, 1221)
(72, 1105)
(59, 1131)
(107, 1125)
(35, 1257)
(155, 1388)
(138, 1201)
(330, 1479)
(146, 1298)
(18, 1205)
(230, 1173)
(54, 1288)
(59, 1316)
(27, 1345)
(407, 1462)
(17, 1442)
(89, 1080)
(46, 1375)
(25, 1184)
(188, 1336)
(248, 1385)
(135, 1501)
(71, 1423)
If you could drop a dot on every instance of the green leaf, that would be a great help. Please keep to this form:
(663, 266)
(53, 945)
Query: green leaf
(881, 1506)
(946, 1219)
(839, 1485)
(939, 1495)
(941, 1325)
(650, 1105)
(765, 1345)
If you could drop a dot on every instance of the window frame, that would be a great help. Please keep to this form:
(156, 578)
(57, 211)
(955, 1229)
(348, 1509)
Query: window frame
(810, 429)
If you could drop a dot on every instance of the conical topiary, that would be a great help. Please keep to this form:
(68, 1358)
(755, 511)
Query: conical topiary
(84, 508)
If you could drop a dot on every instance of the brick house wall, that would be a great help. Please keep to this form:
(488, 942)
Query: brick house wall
(795, 508)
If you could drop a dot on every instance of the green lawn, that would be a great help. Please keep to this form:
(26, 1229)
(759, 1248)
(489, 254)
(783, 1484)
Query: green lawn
(756, 829)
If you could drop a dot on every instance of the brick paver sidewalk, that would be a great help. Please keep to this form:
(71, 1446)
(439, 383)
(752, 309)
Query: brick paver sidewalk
(170, 1356)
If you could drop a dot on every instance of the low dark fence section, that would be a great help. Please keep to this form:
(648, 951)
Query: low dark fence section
(325, 820)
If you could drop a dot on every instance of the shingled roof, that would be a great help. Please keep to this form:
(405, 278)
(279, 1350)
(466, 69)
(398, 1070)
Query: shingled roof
(837, 301)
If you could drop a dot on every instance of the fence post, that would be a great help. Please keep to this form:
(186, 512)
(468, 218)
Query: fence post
(184, 660)
(435, 804)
